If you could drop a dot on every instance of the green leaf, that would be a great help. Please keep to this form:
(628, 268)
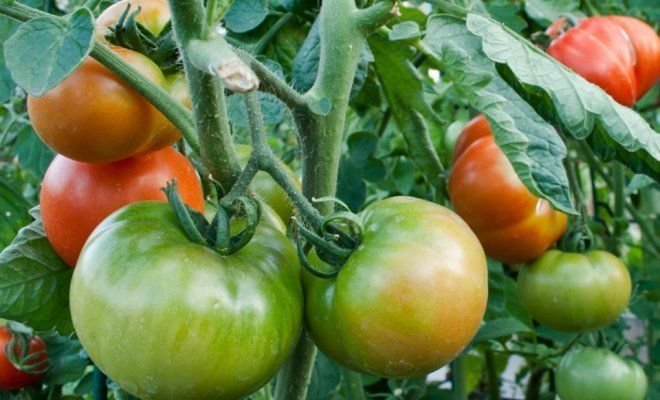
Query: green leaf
(404, 31)
(14, 213)
(583, 109)
(500, 327)
(68, 360)
(325, 379)
(284, 46)
(34, 282)
(403, 87)
(44, 51)
(358, 166)
(508, 15)
(245, 15)
(31, 152)
(639, 181)
(545, 12)
(503, 297)
(7, 28)
(532, 145)
(272, 109)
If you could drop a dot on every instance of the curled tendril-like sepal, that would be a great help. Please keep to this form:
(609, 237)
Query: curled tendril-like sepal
(18, 353)
(339, 235)
(217, 234)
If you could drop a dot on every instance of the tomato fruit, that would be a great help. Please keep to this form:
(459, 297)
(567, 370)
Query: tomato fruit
(599, 374)
(575, 292)
(166, 318)
(267, 189)
(154, 15)
(11, 377)
(511, 223)
(619, 54)
(647, 51)
(76, 197)
(408, 299)
(474, 130)
(93, 116)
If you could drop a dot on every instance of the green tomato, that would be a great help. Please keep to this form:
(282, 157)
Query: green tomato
(575, 292)
(169, 319)
(408, 299)
(599, 374)
(267, 189)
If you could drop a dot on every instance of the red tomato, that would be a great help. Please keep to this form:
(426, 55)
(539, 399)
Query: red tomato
(93, 116)
(76, 196)
(619, 54)
(12, 378)
(511, 223)
(477, 128)
(647, 51)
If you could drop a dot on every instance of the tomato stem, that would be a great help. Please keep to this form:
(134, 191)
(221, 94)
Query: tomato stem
(293, 379)
(493, 378)
(458, 378)
(99, 385)
(353, 384)
(207, 97)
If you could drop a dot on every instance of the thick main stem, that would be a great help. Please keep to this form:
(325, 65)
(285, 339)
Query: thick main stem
(207, 97)
(458, 378)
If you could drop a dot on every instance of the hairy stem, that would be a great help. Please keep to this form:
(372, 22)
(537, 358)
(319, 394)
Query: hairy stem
(207, 97)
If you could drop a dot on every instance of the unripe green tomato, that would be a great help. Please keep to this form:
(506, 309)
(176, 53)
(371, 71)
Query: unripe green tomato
(167, 318)
(599, 374)
(575, 292)
(267, 189)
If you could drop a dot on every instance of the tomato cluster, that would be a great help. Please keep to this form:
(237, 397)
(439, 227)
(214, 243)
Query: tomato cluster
(620, 54)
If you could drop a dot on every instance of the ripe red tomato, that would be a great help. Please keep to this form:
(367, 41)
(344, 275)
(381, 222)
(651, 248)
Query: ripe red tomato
(619, 54)
(93, 116)
(512, 224)
(12, 378)
(76, 196)
(647, 51)
(154, 15)
(474, 130)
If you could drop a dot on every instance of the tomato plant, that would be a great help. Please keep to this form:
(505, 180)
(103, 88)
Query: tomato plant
(69, 187)
(29, 372)
(599, 374)
(512, 224)
(241, 315)
(442, 256)
(575, 292)
(92, 116)
(394, 331)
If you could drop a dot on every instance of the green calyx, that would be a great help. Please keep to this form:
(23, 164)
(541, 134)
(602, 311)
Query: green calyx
(244, 212)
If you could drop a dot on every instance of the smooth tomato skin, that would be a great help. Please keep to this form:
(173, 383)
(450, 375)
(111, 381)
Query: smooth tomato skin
(599, 374)
(76, 197)
(575, 292)
(154, 15)
(409, 298)
(600, 51)
(646, 43)
(474, 130)
(267, 189)
(511, 223)
(12, 378)
(166, 318)
(93, 116)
